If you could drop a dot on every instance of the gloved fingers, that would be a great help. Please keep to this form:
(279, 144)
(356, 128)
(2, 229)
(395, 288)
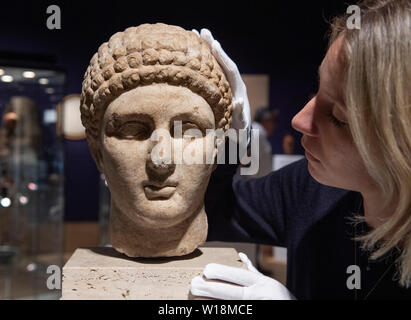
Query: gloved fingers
(246, 111)
(238, 276)
(207, 36)
(270, 289)
(196, 32)
(230, 69)
(238, 114)
(242, 115)
(210, 289)
(244, 259)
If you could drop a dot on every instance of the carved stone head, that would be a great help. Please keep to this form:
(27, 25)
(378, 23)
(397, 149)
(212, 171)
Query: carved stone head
(140, 85)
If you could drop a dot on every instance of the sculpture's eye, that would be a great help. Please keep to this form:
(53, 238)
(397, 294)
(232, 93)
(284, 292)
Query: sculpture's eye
(191, 131)
(186, 130)
(135, 130)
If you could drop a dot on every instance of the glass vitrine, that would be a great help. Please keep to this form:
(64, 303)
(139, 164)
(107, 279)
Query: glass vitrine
(31, 181)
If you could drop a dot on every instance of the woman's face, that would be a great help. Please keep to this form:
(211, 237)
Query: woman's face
(333, 158)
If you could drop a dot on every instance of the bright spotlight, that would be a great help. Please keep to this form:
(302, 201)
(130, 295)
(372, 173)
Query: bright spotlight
(23, 200)
(29, 74)
(44, 81)
(32, 186)
(5, 202)
(7, 78)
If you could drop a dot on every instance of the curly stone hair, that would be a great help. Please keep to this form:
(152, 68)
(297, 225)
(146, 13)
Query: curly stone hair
(152, 53)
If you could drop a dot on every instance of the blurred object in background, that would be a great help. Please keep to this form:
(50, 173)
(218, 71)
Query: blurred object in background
(288, 144)
(258, 91)
(288, 156)
(267, 119)
(265, 122)
(69, 118)
(31, 181)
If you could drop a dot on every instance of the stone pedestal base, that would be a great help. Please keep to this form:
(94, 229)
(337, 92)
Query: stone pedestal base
(103, 273)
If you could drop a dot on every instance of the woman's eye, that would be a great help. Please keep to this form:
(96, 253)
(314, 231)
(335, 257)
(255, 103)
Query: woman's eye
(134, 130)
(336, 122)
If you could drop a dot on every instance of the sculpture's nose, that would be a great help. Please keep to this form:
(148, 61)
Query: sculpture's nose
(159, 169)
(159, 164)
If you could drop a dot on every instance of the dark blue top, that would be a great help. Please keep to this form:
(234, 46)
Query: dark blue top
(289, 208)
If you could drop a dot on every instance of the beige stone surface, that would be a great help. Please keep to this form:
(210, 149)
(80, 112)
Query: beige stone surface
(103, 273)
(138, 86)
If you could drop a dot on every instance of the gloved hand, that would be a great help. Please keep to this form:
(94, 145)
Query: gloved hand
(241, 106)
(245, 284)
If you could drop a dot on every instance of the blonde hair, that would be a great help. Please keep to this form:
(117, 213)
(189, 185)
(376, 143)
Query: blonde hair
(378, 99)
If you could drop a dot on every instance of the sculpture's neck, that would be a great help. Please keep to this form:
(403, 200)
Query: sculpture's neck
(136, 241)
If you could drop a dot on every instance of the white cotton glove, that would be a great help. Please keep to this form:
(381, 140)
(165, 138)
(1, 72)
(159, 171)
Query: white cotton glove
(241, 106)
(240, 284)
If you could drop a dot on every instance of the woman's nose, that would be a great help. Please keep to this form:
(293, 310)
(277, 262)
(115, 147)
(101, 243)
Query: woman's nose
(304, 121)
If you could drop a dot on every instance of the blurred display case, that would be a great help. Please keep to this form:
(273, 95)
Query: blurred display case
(31, 181)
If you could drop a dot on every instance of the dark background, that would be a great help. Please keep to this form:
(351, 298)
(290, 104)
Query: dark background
(286, 40)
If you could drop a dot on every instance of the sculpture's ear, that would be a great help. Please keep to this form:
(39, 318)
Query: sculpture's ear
(97, 156)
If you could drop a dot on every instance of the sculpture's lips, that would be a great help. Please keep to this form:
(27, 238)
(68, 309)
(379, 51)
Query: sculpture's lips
(159, 192)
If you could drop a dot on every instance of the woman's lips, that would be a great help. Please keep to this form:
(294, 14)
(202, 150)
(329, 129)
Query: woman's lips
(308, 154)
(154, 192)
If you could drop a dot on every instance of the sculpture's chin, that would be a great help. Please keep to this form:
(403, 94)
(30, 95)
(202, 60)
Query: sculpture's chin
(161, 213)
(144, 253)
(150, 240)
(156, 219)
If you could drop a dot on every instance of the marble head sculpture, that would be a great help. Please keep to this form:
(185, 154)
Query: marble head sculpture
(142, 81)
